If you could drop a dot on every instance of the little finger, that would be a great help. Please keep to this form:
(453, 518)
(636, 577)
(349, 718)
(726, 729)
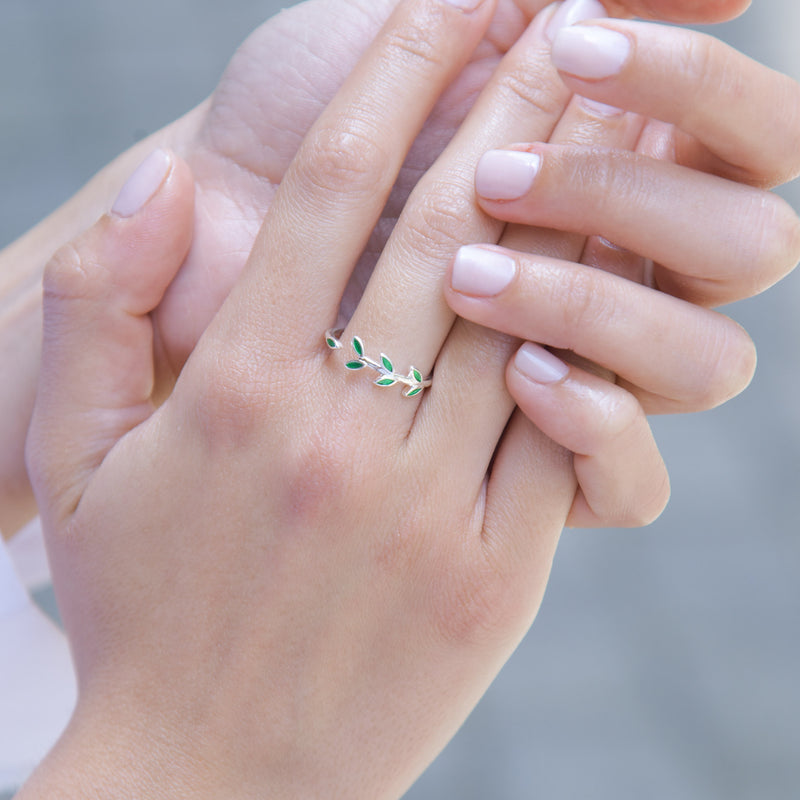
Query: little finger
(622, 480)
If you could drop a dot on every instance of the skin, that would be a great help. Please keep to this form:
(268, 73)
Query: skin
(239, 144)
(381, 579)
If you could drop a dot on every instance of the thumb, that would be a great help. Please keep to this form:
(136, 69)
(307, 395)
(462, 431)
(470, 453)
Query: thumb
(97, 371)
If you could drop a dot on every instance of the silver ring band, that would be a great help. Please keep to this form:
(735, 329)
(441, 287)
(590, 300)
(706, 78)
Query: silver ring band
(414, 382)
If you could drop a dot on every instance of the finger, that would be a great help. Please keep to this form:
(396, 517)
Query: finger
(402, 310)
(622, 478)
(701, 85)
(469, 417)
(686, 11)
(97, 369)
(529, 493)
(732, 242)
(336, 187)
(670, 348)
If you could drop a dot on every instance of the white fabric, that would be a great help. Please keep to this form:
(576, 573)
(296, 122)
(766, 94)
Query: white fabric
(37, 686)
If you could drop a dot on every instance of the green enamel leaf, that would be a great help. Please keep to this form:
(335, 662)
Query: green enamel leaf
(358, 345)
(386, 363)
(413, 392)
(354, 365)
(417, 375)
(332, 343)
(385, 382)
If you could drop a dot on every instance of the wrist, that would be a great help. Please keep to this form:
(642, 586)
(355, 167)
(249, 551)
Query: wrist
(111, 753)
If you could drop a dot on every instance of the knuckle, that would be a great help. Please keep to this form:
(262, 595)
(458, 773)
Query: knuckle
(518, 85)
(789, 165)
(605, 174)
(437, 218)
(777, 240)
(648, 504)
(69, 276)
(704, 61)
(232, 397)
(586, 304)
(614, 418)
(412, 46)
(343, 158)
(320, 479)
(744, 360)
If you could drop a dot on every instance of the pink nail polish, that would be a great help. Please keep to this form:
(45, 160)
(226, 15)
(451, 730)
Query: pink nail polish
(480, 272)
(506, 174)
(142, 184)
(540, 365)
(590, 51)
(572, 11)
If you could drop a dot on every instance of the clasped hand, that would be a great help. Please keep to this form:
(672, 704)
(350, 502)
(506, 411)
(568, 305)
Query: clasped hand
(342, 569)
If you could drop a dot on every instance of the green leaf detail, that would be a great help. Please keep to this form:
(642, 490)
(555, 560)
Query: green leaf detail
(385, 382)
(386, 363)
(332, 344)
(354, 365)
(417, 375)
(358, 345)
(413, 392)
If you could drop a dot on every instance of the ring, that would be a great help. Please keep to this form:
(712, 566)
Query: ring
(386, 375)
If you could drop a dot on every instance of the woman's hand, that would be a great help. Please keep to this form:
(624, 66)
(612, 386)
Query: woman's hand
(687, 200)
(690, 190)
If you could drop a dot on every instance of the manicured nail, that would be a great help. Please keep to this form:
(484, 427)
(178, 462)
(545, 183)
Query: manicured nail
(465, 5)
(142, 184)
(590, 51)
(540, 365)
(506, 174)
(481, 272)
(572, 11)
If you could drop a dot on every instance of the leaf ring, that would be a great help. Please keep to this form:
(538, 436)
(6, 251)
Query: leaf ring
(414, 382)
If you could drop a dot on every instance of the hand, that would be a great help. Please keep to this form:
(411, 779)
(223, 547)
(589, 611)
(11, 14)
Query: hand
(239, 144)
(713, 239)
(286, 577)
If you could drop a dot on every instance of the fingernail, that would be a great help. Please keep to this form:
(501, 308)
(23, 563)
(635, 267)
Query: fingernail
(590, 51)
(601, 109)
(480, 272)
(142, 184)
(540, 365)
(464, 5)
(573, 11)
(506, 174)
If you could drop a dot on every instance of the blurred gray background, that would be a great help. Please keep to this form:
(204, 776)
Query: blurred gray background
(665, 663)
